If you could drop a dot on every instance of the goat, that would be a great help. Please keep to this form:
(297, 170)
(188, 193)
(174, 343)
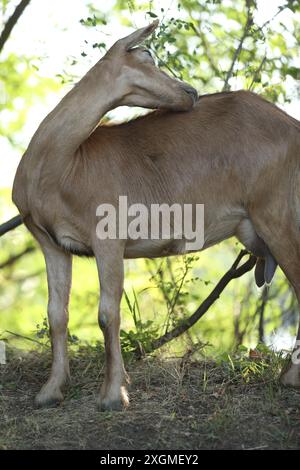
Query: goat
(234, 152)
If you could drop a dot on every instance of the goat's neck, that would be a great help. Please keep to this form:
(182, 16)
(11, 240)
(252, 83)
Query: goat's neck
(78, 113)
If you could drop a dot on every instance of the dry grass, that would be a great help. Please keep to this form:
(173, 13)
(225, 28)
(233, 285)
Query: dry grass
(175, 404)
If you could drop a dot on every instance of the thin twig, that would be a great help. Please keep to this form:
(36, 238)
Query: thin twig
(15, 258)
(20, 279)
(10, 24)
(160, 284)
(23, 337)
(266, 23)
(201, 35)
(163, 63)
(175, 297)
(257, 72)
(238, 50)
(234, 272)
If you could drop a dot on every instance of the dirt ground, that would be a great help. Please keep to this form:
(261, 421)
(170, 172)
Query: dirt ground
(175, 404)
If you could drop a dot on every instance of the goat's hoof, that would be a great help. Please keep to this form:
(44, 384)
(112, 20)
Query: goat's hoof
(47, 400)
(290, 377)
(118, 403)
(110, 405)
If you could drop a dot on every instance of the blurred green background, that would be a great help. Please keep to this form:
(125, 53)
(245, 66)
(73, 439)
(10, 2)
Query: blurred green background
(215, 46)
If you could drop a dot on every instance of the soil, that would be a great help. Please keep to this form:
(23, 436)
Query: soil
(174, 404)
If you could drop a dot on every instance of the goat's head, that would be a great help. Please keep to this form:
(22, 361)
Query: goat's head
(139, 82)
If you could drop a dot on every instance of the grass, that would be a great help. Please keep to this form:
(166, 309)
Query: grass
(234, 403)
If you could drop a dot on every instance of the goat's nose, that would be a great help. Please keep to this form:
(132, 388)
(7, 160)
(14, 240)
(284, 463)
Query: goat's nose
(191, 91)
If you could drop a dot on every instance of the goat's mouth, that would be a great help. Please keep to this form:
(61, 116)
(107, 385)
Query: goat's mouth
(191, 92)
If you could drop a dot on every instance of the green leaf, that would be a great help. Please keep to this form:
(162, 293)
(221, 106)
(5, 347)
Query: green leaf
(151, 14)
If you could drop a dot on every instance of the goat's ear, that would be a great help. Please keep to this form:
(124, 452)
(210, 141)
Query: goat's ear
(138, 36)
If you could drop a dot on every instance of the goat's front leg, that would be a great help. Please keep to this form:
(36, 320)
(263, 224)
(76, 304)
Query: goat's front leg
(113, 395)
(59, 272)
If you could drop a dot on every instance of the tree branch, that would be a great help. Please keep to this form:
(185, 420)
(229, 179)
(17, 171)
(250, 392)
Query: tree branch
(257, 72)
(234, 272)
(236, 55)
(202, 37)
(280, 10)
(17, 335)
(15, 258)
(10, 24)
(10, 224)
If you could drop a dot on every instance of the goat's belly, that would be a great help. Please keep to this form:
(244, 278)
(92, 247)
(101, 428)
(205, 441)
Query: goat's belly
(75, 247)
(155, 248)
(69, 240)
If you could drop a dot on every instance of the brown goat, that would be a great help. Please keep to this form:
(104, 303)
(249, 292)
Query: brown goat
(233, 152)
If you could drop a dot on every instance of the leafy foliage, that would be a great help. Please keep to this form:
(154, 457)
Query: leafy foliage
(21, 87)
(261, 363)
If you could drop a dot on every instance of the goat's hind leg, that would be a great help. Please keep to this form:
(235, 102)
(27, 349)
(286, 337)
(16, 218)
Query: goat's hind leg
(59, 272)
(283, 240)
(290, 375)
